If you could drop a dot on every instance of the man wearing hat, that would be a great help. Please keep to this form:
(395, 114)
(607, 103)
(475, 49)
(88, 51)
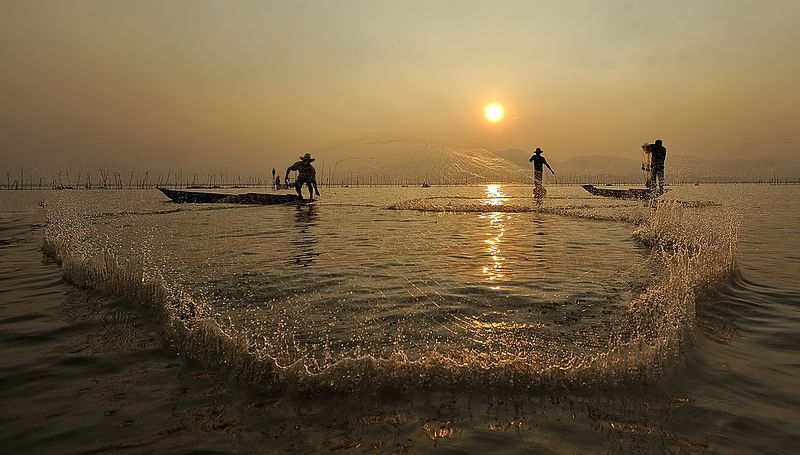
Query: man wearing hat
(306, 174)
(538, 160)
(658, 153)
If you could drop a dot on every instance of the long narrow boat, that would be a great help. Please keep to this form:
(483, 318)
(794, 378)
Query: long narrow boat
(630, 193)
(245, 198)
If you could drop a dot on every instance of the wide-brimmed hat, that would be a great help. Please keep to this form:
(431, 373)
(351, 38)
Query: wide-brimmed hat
(307, 157)
(538, 150)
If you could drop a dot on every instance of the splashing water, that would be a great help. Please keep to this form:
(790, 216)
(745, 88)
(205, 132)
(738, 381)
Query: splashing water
(445, 291)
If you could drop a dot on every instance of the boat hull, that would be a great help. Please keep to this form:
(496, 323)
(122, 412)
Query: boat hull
(245, 198)
(630, 193)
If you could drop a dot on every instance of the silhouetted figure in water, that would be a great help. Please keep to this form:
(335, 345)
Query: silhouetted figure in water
(538, 168)
(658, 154)
(306, 175)
(277, 182)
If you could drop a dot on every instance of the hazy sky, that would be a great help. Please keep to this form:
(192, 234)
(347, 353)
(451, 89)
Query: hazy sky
(253, 83)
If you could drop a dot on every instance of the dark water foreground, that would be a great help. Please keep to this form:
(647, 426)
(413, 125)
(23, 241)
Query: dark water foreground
(88, 370)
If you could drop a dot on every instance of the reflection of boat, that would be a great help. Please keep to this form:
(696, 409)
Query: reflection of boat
(631, 193)
(246, 198)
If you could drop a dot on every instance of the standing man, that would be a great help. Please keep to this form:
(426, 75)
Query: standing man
(658, 154)
(306, 174)
(538, 163)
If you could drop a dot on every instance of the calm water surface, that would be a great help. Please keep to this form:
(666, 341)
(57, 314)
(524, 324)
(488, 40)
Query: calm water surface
(402, 320)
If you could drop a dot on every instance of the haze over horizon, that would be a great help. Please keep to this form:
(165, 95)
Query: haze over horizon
(255, 84)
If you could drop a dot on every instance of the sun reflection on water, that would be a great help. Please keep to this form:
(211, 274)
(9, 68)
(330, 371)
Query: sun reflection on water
(495, 270)
(494, 195)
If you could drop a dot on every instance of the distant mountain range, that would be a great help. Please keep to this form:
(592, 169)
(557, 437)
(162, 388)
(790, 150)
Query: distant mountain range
(679, 168)
(391, 158)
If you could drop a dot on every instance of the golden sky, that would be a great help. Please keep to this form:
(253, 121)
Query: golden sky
(249, 83)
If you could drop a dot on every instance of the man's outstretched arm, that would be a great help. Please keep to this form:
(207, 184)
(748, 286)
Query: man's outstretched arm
(294, 167)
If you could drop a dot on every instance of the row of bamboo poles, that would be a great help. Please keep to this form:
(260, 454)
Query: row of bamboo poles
(107, 179)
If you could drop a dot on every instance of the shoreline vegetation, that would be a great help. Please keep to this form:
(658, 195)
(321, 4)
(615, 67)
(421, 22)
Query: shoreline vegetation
(115, 180)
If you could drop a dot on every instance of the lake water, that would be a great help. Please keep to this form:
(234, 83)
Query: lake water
(401, 320)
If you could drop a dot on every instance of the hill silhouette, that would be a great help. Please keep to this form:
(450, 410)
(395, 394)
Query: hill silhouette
(383, 158)
(392, 158)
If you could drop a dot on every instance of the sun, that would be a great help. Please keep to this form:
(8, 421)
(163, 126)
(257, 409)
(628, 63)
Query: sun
(494, 112)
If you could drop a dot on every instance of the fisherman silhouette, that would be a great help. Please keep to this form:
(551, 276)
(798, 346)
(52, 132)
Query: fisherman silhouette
(538, 168)
(658, 154)
(306, 175)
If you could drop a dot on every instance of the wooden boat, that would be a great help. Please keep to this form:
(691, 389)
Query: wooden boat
(245, 198)
(630, 193)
